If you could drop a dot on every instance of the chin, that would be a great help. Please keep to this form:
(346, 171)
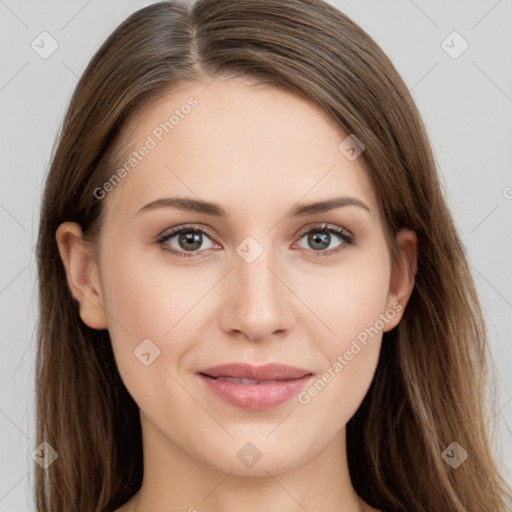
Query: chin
(253, 458)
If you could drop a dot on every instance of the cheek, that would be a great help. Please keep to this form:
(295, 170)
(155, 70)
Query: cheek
(351, 304)
(153, 299)
(347, 299)
(349, 358)
(148, 307)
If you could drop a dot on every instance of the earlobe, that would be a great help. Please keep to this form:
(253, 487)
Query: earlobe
(82, 274)
(405, 268)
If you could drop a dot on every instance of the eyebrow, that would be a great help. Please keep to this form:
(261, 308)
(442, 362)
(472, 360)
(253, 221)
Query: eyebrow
(216, 210)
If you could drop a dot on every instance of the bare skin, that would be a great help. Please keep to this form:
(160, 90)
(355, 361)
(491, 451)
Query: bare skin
(258, 152)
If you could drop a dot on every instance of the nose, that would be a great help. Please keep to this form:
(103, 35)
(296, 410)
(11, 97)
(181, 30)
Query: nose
(259, 303)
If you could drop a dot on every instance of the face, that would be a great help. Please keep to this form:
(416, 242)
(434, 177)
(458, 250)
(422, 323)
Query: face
(269, 281)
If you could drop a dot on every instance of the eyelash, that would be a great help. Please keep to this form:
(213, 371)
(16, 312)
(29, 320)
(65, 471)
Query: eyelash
(321, 228)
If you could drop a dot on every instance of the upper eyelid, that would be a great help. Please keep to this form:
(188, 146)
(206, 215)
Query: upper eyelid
(178, 229)
(324, 226)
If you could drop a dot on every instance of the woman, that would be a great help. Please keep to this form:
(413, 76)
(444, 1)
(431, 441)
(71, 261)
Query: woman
(252, 293)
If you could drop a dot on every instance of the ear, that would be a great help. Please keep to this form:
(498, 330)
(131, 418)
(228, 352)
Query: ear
(82, 274)
(405, 267)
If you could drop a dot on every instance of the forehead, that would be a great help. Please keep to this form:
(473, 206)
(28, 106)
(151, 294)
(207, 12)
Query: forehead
(239, 143)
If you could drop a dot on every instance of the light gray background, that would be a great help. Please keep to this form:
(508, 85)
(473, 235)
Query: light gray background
(466, 104)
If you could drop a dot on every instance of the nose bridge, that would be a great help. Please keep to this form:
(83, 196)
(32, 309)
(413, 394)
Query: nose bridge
(255, 274)
(252, 268)
(260, 303)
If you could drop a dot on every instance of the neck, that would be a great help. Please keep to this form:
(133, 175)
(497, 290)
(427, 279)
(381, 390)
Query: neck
(175, 480)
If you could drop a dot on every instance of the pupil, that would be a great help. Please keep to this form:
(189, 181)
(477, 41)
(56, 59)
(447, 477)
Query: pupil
(190, 238)
(319, 238)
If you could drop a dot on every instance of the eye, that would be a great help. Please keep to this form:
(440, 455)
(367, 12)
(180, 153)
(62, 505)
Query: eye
(321, 239)
(188, 240)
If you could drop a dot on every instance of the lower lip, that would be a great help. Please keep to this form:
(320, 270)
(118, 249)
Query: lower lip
(255, 397)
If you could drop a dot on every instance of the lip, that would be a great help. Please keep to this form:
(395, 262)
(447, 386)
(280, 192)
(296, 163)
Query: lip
(271, 371)
(277, 384)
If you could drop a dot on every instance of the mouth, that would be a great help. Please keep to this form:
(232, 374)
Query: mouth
(239, 380)
(254, 388)
(263, 373)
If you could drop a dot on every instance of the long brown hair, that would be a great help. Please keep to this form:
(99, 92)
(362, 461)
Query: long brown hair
(429, 387)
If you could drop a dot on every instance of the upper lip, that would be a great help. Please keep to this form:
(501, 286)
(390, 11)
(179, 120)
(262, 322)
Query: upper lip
(271, 371)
